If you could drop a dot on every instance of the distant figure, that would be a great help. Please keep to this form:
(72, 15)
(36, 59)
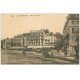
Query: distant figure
(51, 54)
(24, 50)
(76, 48)
(46, 54)
(65, 50)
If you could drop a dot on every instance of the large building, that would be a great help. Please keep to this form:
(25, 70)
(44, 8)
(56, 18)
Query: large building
(34, 38)
(7, 43)
(18, 40)
(38, 38)
(49, 39)
(71, 31)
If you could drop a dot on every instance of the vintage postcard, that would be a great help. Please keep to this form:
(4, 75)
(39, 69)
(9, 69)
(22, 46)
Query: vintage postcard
(39, 38)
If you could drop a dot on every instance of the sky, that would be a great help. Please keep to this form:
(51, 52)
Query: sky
(14, 24)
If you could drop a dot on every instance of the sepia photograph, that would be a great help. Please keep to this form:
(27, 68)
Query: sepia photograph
(39, 38)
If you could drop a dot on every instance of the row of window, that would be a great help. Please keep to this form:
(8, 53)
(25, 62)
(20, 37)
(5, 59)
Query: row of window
(75, 22)
(75, 30)
(37, 33)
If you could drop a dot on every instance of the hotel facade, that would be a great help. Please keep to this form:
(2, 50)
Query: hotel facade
(34, 38)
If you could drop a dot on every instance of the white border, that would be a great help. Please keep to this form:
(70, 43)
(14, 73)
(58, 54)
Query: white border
(39, 6)
(39, 72)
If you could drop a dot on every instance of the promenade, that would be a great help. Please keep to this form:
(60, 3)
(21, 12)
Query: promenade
(17, 57)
